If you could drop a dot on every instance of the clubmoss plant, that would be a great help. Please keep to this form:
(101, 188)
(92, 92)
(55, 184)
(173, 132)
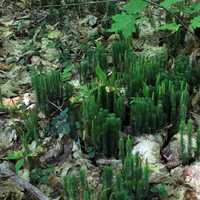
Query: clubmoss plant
(174, 97)
(83, 180)
(95, 57)
(32, 126)
(198, 144)
(142, 71)
(28, 129)
(71, 187)
(189, 144)
(125, 147)
(119, 106)
(86, 195)
(135, 177)
(76, 188)
(120, 191)
(107, 182)
(150, 121)
(49, 90)
(105, 132)
(131, 183)
(89, 111)
(184, 70)
(120, 51)
(1, 98)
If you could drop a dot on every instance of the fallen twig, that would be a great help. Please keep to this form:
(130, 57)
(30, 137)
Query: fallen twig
(109, 162)
(31, 189)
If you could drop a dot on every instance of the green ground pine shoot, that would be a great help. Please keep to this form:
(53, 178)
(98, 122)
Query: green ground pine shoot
(146, 117)
(125, 147)
(49, 90)
(189, 149)
(105, 132)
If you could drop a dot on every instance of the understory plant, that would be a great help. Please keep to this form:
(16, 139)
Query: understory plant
(125, 147)
(105, 132)
(143, 94)
(76, 188)
(27, 131)
(40, 175)
(174, 96)
(59, 124)
(189, 142)
(20, 158)
(1, 98)
(146, 117)
(95, 57)
(50, 90)
(28, 128)
(131, 182)
(182, 14)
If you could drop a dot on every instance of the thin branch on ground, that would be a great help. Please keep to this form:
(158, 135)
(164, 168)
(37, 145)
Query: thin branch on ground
(173, 15)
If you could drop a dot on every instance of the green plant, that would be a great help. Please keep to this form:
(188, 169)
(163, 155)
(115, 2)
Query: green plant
(71, 187)
(150, 121)
(41, 175)
(59, 125)
(141, 72)
(19, 157)
(89, 110)
(120, 190)
(131, 183)
(1, 98)
(189, 145)
(174, 96)
(120, 54)
(136, 177)
(105, 132)
(198, 144)
(125, 147)
(177, 10)
(27, 129)
(94, 58)
(50, 91)
(107, 183)
(76, 188)
(31, 127)
(159, 190)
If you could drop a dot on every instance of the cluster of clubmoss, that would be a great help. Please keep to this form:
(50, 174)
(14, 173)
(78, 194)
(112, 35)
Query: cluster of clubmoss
(136, 91)
(152, 96)
(131, 182)
(51, 91)
(189, 142)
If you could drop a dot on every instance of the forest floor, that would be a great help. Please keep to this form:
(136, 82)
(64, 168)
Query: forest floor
(58, 38)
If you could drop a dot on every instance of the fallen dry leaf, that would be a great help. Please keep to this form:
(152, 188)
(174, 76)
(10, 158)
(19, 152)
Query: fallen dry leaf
(11, 102)
(5, 66)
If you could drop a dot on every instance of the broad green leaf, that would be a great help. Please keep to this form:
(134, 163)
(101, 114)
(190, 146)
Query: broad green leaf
(128, 30)
(195, 22)
(135, 6)
(195, 7)
(188, 10)
(170, 27)
(66, 73)
(168, 3)
(123, 23)
(101, 74)
(15, 155)
(19, 165)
